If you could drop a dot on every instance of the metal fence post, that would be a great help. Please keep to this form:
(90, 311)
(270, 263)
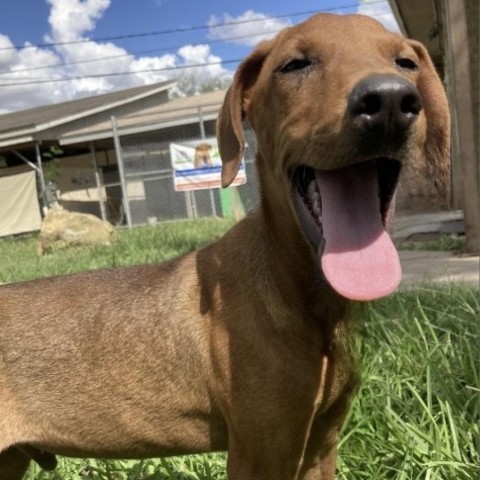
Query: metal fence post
(121, 172)
(201, 123)
(93, 157)
(203, 136)
(41, 178)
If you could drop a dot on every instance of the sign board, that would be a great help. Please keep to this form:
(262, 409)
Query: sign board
(197, 165)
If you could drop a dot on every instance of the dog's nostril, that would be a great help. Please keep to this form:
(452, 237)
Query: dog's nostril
(411, 103)
(372, 104)
(366, 104)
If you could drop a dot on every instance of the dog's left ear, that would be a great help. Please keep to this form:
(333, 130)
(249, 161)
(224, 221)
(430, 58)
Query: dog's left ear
(435, 104)
(231, 141)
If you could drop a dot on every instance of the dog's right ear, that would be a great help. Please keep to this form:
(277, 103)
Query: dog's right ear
(231, 141)
(435, 104)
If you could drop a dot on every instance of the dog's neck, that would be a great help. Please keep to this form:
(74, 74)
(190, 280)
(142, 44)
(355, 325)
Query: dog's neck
(292, 284)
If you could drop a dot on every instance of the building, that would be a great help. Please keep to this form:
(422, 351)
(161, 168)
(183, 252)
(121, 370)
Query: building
(113, 157)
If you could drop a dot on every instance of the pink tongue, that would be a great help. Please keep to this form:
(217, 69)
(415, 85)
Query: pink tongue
(359, 260)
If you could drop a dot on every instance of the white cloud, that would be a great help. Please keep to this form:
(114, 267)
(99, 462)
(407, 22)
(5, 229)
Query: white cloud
(152, 63)
(73, 21)
(380, 11)
(70, 19)
(7, 53)
(253, 26)
(22, 65)
(198, 55)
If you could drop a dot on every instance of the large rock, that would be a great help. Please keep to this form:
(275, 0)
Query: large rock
(61, 228)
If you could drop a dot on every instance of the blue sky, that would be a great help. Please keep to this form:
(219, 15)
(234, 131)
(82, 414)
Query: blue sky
(35, 76)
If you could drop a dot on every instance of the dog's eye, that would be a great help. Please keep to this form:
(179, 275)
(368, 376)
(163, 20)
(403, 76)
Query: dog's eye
(406, 63)
(295, 64)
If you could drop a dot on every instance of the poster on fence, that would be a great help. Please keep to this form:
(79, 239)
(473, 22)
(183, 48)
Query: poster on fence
(197, 165)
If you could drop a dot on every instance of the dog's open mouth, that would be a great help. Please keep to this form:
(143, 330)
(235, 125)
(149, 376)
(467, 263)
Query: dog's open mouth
(344, 213)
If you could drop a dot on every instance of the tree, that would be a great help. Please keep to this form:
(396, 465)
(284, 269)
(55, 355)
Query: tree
(198, 81)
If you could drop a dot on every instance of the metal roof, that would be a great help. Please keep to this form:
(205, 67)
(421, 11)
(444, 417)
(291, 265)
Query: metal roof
(175, 112)
(18, 124)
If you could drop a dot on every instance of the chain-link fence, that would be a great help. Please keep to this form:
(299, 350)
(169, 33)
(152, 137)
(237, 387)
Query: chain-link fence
(146, 171)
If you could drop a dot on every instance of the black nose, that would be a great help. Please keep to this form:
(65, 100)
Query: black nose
(384, 102)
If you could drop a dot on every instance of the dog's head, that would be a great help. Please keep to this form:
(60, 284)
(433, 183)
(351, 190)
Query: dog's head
(202, 154)
(203, 149)
(339, 104)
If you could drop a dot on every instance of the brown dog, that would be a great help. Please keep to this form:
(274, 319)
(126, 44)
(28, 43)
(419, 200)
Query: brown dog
(242, 345)
(203, 156)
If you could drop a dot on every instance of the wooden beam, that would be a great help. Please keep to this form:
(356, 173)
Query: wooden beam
(460, 93)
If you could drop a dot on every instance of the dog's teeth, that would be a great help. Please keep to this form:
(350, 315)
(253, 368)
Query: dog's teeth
(312, 188)
(316, 209)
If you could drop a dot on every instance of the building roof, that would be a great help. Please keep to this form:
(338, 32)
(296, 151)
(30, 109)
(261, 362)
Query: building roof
(14, 127)
(179, 111)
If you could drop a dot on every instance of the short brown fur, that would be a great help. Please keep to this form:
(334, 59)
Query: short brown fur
(235, 346)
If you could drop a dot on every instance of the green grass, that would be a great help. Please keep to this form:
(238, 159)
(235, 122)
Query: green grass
(445, 243)
(417, 412)
(416, 415)
(20, 260)
(190, 467)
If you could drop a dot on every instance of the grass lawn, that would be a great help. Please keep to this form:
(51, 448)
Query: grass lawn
(416, 415)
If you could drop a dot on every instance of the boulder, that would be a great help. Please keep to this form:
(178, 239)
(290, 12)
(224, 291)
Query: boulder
(62, 229)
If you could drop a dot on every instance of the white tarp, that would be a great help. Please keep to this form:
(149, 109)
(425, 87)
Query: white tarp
(19, 207)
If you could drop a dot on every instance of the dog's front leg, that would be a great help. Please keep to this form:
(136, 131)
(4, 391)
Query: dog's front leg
(268, 428)
(254, 454)
(319, 461)
(320, 457)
